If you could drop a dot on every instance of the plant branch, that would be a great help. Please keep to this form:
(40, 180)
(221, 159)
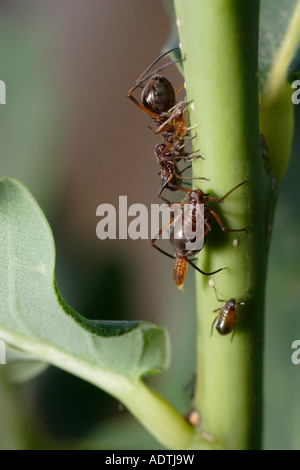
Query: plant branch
(220, 45)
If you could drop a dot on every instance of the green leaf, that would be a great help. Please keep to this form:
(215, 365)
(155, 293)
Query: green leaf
(278, 64)
(34, 317)
(278, 40)
(21, 367)
(173, 39)
(279, 28)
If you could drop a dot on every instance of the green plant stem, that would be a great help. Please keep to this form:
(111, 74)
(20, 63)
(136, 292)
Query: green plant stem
(220, 44)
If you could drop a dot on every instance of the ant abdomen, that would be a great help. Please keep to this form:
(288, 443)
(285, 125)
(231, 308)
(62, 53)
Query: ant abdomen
(179, 272)
(158, 95)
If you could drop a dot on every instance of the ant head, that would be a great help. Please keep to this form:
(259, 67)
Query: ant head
(159, 148)
(196, 197)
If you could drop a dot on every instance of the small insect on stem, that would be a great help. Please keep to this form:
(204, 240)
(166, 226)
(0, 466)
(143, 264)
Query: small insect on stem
(193, 417)
(227, 318)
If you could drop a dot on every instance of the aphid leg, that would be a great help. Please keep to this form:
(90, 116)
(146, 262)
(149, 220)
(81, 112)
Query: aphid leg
(213, 324)
(238, 313)
(233, 332)
(220, 300)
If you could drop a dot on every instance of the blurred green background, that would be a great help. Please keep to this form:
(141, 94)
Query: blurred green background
(72, 137)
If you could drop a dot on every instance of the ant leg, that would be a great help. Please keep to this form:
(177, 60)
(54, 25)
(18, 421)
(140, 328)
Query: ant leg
(162, 251)
(202, 272)
(180, 88)
(213, 199)
(153, 240)
(180, 188)
(188, 177)
(168, 184)
(192, 156)
(186, 168)
(192, 178)
(222, 225)
(160, 196)
(174, 111)
(142, 107)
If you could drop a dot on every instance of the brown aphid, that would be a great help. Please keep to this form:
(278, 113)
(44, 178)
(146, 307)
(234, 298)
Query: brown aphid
(193, 417)
(227, 318)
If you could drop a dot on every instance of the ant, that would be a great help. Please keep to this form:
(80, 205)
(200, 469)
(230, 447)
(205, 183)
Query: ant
(159, 101)
(190, 219)
(170, 174)
(227, 318)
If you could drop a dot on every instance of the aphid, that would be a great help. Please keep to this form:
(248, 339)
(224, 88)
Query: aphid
(158, 100)
(227, 318)
(193, 417)
(181, 233)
